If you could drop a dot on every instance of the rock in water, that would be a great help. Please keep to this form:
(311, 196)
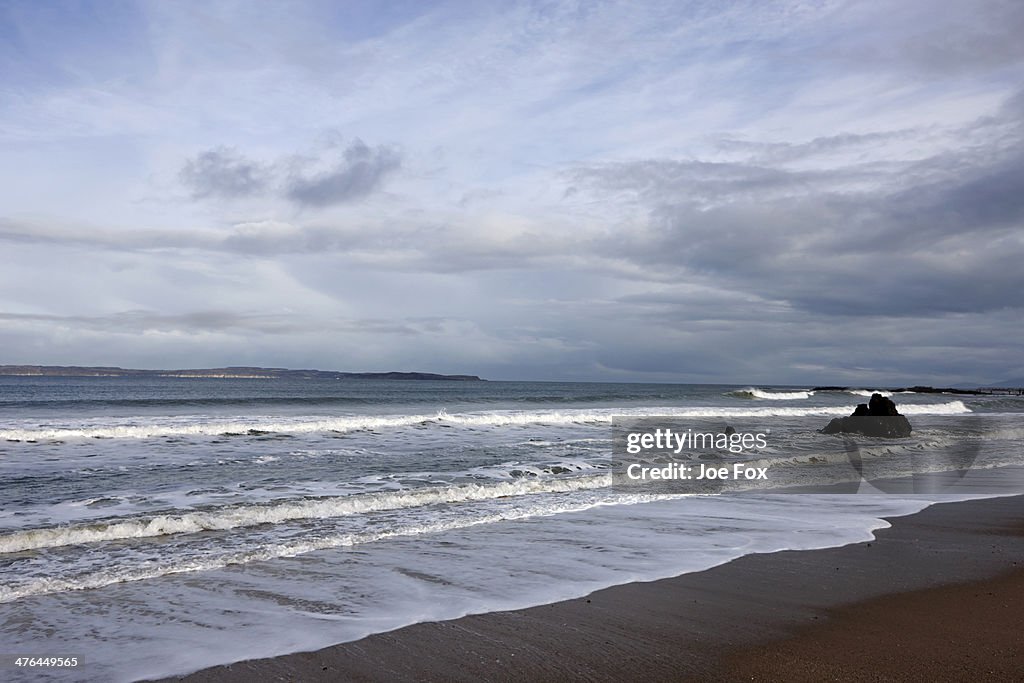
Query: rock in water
(878, 417)
(880, 406)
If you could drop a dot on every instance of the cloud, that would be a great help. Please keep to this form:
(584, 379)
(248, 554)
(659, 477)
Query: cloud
(982, 35)
(360, 172)
(661, 190)
(933, 236)
(710, 183)
(223, 173)
(215, 321)
(781, 152)
(936, 235)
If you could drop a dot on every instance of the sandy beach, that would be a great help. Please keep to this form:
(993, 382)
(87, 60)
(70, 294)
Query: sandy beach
(937, 596)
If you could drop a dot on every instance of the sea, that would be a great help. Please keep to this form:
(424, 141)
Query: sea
(155, 526)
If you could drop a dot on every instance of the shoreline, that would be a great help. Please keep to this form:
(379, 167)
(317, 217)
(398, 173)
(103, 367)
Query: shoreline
(694, 626)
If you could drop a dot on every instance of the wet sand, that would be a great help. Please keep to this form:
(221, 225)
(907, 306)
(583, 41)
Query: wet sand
(972, 631)
(936, 597)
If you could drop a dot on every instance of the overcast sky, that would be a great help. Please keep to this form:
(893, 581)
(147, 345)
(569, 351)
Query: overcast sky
(791, 192)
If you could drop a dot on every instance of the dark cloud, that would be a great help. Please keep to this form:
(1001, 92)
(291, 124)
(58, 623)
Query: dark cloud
(223, 173)
(829, 349)
(989, 197)
(360, 172)
(938, 236)
(846, 256)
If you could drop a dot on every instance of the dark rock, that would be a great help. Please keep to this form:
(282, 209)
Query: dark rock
(880, 406)
(878, 417)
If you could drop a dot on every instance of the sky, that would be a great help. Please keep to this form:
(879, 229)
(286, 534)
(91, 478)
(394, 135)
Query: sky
(721, 192)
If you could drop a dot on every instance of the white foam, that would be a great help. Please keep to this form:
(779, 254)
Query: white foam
(204, 427)
(282, 550)
(950, 408)
(201, 427)
(237, 516)
(754, 392)
(865, 392)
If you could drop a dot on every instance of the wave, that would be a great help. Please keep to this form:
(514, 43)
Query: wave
(233, 517)
(282, 550)
(202, 427)
(865, 392)
(754, 392)
(267, 425)
(1000, 404)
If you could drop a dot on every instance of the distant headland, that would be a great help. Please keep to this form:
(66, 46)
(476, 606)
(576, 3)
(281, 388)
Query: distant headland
(222, 373)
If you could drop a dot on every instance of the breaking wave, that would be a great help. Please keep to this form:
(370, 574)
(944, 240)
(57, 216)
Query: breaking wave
(294, 548)
(754, 392)
(233, 517)
(262, 426)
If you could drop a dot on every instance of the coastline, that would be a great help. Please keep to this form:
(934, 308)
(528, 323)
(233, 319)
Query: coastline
(705, 625)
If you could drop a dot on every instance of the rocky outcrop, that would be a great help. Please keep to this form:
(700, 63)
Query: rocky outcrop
(877, 417)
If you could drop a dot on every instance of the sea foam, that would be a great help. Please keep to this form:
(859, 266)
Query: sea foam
(247, 515)
(754, 392)
(199, 426)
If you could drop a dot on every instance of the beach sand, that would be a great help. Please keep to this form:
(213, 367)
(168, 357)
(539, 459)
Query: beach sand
(972, 631)
(936, 597)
